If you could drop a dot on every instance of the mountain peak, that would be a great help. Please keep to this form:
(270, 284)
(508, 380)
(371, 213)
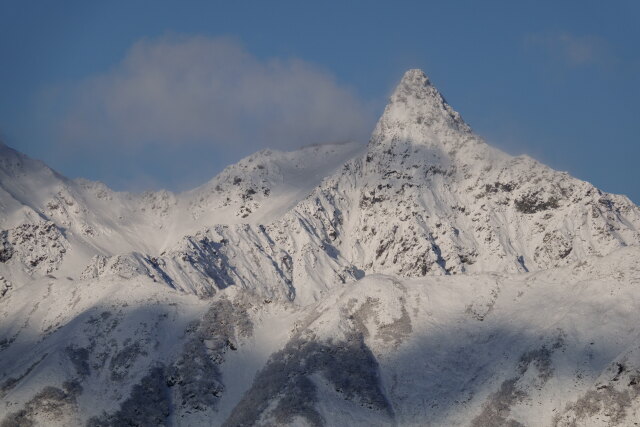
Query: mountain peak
(417, 111)
(415, 83)
(415, 77)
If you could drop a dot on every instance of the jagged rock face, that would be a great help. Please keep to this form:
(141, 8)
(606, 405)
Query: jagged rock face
(430, 197)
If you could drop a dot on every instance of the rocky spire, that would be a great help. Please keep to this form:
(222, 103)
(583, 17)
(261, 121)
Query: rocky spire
(417, 112)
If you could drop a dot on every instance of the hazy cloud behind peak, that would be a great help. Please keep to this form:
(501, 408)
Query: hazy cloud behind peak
(181, 90)
(200, 93)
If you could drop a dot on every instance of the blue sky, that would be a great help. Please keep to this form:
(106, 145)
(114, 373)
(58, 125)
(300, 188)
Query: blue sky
(157, 94)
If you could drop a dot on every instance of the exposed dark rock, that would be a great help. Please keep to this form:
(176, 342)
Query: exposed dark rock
(149, 404)
(53, 401)
(530, 204)
(195, 379)
(349, 366)
(6, 250)
(79, 357)
(122, 361)
(497, 408)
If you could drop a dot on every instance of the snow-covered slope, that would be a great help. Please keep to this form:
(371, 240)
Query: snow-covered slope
(424, 279)
(546, 348)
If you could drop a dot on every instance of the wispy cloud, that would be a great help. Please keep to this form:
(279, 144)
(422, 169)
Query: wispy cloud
(571, 49)
(185, 91)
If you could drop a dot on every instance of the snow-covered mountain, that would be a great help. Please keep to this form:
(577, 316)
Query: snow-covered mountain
(424, 279)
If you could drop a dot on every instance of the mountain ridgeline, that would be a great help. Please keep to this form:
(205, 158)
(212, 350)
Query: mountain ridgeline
(426, 278)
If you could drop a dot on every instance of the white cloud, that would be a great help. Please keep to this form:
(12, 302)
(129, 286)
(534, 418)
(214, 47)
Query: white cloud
(187, 91)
